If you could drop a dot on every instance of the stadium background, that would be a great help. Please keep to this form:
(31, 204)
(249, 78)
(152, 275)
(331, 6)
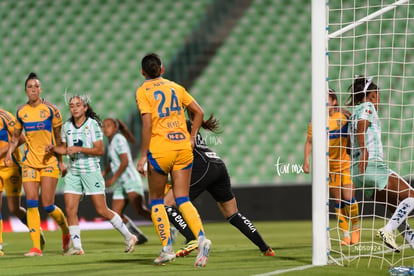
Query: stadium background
(248, 62)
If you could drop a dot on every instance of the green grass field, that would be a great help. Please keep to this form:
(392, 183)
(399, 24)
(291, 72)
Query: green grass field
(232, 254)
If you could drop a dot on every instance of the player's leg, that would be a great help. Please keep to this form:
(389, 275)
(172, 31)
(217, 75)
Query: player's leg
(138, 204)
(94, 185)
(1, 219)
(72, 204)
(351, 205)
(340, 210)
(48, 182)
(396, 189)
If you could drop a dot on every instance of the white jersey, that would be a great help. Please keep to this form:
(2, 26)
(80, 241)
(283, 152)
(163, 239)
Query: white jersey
(83, 136)
(366, 111)
(116, 147)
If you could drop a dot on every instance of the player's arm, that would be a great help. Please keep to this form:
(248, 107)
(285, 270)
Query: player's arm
(146, 138)
(57, 130)
(13, 144)
(106, 170)
(96, 150)
(308, 150)
(122, 167)
(197, 120)
(362, 127)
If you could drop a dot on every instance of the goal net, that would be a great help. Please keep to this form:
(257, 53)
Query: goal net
(374, 38)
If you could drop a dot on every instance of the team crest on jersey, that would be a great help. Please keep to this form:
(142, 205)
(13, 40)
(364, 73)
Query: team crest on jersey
(42, 114)
(368, 111)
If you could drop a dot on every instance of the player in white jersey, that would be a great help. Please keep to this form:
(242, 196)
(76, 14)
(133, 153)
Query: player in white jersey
(82, 140)
(125, 180)
(368, 168)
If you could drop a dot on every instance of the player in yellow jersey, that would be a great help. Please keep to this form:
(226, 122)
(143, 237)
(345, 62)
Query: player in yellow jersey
(341, 187)
(167, 149)
(41, 122)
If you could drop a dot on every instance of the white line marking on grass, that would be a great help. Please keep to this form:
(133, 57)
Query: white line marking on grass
(276, 272)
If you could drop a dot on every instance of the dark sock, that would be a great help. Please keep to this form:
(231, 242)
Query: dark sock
(248, 229)
(178, 221)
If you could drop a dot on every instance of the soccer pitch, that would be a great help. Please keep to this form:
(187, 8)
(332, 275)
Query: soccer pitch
(231, 254)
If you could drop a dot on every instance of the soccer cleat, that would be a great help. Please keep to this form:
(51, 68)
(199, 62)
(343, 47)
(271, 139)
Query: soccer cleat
(355, 236)
(204, 247)
(42, 240)
(74, 251)
(66, 242)
(34, 252)
(1, 250)
(166, 255)
(268, 252)
(346, 241)
(130, 244)
(187, 249)
(135, 230)
(388, 239)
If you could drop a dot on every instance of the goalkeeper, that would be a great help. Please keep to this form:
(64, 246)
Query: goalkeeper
(341, 187)
(368, 168)
(209, 173)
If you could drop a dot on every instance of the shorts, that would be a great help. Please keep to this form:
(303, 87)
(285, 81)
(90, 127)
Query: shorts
(339, 179)
(89, 183)
(166, 161)
(35, 174)
(120, 191)
(375, 177)
(11, 181)
(214, 178)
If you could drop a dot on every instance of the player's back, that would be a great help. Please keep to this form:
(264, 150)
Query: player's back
(338, 139)
(164, 99)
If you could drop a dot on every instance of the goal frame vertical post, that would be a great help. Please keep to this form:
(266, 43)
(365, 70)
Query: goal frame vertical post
(320, 249)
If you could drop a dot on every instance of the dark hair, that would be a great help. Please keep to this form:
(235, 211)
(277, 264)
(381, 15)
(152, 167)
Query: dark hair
(31, 76)
(89, 112)
(151, 65)
(359, 89)
(123, 129)
(332, 94)
(212, 124)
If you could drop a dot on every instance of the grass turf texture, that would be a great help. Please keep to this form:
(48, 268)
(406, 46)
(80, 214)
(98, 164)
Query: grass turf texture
(232, 254)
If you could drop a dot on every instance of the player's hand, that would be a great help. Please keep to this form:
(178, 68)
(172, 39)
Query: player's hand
(363, 161)
(8, 161)
(50, 148)
(306, 167)
(63, 169)
(73, 150)
(192, 141)
(109, 182)
(142, 166)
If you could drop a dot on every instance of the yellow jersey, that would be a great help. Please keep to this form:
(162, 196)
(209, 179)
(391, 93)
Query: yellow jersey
(165, 99)
(38, 123)
(339, 160)
(7, 124)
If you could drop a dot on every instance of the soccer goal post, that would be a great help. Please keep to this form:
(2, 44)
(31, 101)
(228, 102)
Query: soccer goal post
(375, 39)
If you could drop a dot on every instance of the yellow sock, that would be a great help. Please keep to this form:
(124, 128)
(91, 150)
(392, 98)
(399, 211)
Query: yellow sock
(60, 219)
(33, 223)
(192, 218)
(353, 213)
(342, 219)
(161, 223)
(1, 231)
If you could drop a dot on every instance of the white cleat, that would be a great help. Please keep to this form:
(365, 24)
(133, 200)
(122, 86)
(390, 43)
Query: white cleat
(130, 244)
(167, 255)
(74, 251)
(388, 239)
(204, 247)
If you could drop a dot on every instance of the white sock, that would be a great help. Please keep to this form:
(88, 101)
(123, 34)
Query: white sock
(119, 225)
(74, 231)
(400, 215)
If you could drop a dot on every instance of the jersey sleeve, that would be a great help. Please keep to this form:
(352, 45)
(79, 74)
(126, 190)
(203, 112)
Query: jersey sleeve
(96, 132)
(63, 134)
(57, 117)
(120, 145)
(142, 102)
(19, 122)
(367, 112)
(187, 98)
(309, 132)
(10, 121)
